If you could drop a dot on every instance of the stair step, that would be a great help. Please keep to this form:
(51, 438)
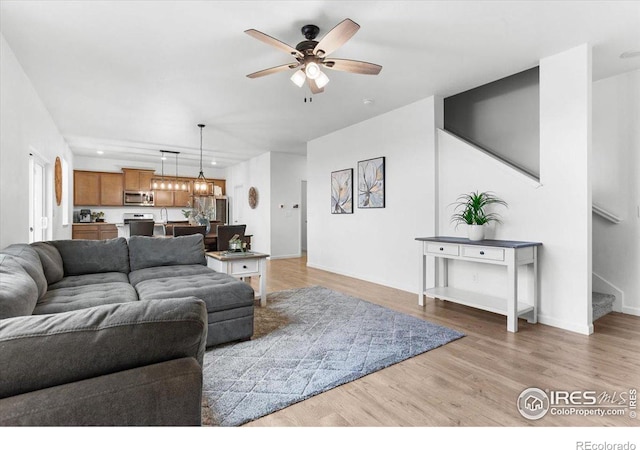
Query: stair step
(602, 304)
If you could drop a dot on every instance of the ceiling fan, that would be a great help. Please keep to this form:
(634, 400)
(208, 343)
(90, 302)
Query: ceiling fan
(311, 55)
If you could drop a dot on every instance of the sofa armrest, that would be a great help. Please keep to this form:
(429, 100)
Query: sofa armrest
(38, 352)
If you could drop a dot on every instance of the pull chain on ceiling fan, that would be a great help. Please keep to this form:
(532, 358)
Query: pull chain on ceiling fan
(311, 55)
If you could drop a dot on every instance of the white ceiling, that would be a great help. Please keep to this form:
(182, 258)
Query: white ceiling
(133, 77)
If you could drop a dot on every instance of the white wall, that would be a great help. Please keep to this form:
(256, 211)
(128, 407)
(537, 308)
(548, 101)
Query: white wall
(377, 245)
(257, 173)
(556, 212)
(25, 126)
(616, 185)
(287, 173)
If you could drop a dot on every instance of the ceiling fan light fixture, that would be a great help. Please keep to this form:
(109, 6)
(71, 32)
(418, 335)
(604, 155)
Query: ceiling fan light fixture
(298, 78)
(322, 80)
(312, 70)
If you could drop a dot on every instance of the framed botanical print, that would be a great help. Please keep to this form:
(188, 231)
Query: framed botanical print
(342, 192)
(371, 183)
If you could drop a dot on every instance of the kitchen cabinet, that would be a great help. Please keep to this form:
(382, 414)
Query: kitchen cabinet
(181, 198)
(94, 231)
(86, 188)
(111, 189)
(178, 199)
(97, 188)
(163, 198)
(137, 179)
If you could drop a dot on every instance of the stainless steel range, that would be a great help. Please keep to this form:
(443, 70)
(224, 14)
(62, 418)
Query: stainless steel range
(134, 217)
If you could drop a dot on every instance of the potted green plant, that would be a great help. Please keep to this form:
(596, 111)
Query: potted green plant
(97, 216)
(470, 209)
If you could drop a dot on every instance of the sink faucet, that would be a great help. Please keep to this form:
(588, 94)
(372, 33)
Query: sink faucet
(166, 215)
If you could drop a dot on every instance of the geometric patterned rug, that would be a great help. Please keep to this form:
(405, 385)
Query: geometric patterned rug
(308, 341)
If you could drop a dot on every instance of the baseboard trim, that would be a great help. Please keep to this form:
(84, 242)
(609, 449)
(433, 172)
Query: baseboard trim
(370, 280)
(564, 325)
(631, 310)
(285, 256)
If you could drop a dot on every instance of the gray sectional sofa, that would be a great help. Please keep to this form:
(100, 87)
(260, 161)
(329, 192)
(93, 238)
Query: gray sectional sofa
(112, 332)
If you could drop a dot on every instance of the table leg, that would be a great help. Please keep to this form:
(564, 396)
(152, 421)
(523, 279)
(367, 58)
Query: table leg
(536, 288)
(263, 282)
(423, 278)
(512, 292)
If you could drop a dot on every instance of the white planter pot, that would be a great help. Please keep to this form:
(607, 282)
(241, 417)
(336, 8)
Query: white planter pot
(475, 232)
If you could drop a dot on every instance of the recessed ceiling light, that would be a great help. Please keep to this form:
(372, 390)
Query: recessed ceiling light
(631, 54)
(100, 152)
(213, 163)
(368, 101)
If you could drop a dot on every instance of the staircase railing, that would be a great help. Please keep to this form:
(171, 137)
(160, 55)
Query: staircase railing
(605, 214)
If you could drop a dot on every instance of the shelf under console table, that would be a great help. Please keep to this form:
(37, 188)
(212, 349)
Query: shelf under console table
(510, 254)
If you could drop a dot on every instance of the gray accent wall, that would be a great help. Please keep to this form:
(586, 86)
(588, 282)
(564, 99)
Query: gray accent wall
(502, 117)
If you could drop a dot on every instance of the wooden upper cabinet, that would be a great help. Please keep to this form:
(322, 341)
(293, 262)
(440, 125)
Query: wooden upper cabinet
(163, 198)
(111, 189)
(137, 179)
(181, 198)
(86, 188)
(97, 188)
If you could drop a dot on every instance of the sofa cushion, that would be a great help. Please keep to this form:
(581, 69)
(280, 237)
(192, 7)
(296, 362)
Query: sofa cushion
(147, 251)
(218, 290)
(51, 261)
(18, 291)
(43, 351)
(28, 258)
(153, 273)
(80, 297)
(81, 256)
(90, 278)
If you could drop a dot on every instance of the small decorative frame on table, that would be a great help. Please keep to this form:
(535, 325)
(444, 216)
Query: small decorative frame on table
(342, 192)
(371, 183)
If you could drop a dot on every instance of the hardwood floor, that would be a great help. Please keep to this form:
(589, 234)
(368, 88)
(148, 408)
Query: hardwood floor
(474, 381)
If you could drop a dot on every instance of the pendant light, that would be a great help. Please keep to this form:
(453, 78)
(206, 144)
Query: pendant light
(200, 186)
(161, 185)
(170, 185)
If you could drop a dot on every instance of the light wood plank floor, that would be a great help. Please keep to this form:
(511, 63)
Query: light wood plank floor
(474, 381)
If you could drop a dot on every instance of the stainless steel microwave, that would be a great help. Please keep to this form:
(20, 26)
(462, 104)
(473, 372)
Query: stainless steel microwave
(134, 198)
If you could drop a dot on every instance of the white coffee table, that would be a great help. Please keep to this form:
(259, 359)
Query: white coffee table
(242, 265)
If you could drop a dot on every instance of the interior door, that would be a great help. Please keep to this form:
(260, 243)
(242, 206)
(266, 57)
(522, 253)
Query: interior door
(238, 204)
(303, 216)
(38, 220)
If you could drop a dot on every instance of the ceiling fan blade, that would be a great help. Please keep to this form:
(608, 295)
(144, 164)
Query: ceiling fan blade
(262, 73)
(314, 87)
(336, 37)
(274, 42)
(352, 66)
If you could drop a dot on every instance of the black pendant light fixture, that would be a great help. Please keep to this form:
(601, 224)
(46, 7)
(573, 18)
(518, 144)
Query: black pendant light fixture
(201, 185)
(160, 185)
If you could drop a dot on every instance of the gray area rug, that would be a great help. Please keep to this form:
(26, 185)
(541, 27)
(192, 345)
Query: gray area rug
(308, 341)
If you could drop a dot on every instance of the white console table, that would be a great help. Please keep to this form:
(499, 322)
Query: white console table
(510, 254)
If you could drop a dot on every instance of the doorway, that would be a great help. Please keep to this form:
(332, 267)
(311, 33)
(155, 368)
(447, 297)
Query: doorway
(303, 216)
(237, 214)
(38, 217)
